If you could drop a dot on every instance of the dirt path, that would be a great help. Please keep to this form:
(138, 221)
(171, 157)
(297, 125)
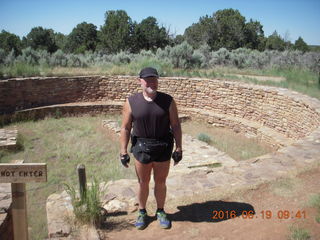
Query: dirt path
(194, 220)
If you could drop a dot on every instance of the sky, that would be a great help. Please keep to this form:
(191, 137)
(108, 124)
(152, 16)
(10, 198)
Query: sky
(290, 18)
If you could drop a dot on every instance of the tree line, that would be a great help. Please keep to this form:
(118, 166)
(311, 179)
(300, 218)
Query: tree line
(226, 28)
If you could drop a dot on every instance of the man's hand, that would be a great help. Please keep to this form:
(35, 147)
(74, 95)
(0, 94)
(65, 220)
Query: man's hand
(177, 156)
(125, 159)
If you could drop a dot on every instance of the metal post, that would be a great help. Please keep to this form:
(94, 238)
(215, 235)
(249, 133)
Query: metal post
(19, 211)
(82, 180)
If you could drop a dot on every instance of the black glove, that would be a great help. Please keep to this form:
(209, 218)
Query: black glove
(177, 156)
(125, 159)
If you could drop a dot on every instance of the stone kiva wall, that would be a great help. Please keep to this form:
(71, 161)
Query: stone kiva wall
(277, 116)
(243, 107)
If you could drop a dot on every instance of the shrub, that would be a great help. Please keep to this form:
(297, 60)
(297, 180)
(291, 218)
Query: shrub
(311, 60)
(182, 56)
(101, 58)
(146, 53)
(89, 58)
(10, 58)
(58, 59)
(204, 138)
(121, 57)
(259, 59)
(204, 54)
(139, 62)
(163, 53)
(221, 57)
(2, 55)
(75, 60)
(29, 56)
(196, 60)
(88, 208)
(240, 57)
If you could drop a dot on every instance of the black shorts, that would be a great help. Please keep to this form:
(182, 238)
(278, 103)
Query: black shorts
(152, 150)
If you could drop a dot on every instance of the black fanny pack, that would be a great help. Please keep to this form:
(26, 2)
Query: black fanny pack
(150, 146)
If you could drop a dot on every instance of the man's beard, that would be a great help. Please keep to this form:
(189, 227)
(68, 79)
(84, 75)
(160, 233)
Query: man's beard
(149, 90)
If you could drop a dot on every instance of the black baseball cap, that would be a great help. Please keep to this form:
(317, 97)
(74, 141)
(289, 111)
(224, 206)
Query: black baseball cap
(148, 72)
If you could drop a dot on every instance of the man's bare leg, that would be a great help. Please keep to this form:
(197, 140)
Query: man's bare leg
(160, 172)
(143, 172)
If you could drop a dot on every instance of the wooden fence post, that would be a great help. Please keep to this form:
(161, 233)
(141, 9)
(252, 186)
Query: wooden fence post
(19, 211)
(82, 180)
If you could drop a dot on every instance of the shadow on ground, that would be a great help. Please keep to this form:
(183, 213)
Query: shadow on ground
(112, 224)
(211, 211)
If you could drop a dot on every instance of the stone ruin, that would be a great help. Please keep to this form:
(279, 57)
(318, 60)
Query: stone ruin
(285, 119)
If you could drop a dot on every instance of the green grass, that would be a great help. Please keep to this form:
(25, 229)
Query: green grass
(209, 165)
(298, 233)
(297, 79)
(63, 144)
(314, 201)
(285, 187)
(87, 206)
(23, 70)
(234, 144)
(300, 80)
(4, 153)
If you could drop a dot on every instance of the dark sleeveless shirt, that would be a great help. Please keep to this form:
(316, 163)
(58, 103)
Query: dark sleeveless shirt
(150, 119)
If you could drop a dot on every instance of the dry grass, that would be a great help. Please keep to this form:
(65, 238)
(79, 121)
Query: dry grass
(286, 187)
(77, 71)
(298, 233)
(63, 144)
(236, 145)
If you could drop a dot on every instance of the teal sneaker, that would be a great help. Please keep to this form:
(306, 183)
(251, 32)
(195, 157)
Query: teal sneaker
(141, 222)
(164, 222)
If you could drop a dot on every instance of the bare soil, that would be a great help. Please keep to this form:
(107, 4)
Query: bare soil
(193, 218)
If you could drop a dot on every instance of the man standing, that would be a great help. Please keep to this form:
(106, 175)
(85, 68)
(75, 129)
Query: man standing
(154, 118)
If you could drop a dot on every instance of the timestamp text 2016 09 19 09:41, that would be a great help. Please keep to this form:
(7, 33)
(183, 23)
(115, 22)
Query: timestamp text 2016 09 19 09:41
(264, 214)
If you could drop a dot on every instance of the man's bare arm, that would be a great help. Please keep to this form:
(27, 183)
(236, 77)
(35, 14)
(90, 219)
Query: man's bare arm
(125, 127)
(175, 125)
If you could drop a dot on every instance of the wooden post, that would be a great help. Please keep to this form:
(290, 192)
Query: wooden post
(19, 211)
(18, 173)
(82, 180)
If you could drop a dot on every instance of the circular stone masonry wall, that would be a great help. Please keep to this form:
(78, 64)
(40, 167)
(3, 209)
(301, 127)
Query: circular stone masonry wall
(277, 116)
